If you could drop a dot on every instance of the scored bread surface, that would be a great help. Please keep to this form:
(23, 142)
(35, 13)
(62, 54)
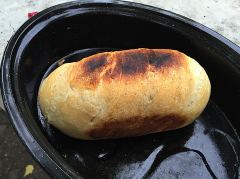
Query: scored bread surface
(125, 93)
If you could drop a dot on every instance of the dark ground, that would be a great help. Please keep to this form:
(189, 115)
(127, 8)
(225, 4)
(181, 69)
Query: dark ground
(14, 157)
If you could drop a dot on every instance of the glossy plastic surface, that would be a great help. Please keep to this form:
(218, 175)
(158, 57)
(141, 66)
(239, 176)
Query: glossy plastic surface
(208, 148)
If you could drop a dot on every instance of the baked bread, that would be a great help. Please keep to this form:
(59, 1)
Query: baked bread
(125, 93)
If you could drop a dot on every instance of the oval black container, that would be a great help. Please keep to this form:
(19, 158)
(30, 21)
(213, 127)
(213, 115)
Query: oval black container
(208, 148)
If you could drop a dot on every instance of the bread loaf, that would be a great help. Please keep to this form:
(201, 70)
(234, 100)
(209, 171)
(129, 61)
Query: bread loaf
(125, 93)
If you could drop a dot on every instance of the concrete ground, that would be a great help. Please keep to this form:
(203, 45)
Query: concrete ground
(14, 157)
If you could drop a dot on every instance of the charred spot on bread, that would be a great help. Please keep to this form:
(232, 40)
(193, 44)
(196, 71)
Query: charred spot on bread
(132, 62)
(115, 128)
(159, 59)
(95, 62)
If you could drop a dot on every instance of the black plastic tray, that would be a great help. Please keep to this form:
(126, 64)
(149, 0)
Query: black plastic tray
(208, 148)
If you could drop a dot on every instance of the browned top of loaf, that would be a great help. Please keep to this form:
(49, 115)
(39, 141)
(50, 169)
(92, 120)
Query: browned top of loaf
(128, 65)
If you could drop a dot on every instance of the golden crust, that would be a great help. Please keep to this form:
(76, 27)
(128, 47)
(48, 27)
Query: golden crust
(125, 93)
